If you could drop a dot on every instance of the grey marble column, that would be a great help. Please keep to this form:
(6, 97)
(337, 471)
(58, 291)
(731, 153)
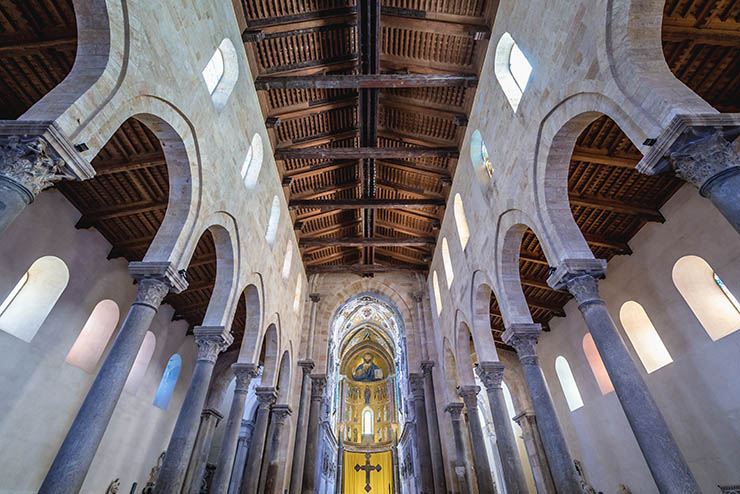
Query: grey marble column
(250, 480)
(240, 461)
(469, 394)
(535, 452)
(70, 466)
(491, 375)
(243, 374)
(318, 384)
(272, 478)
(211, 341)
(523, 337)
(455, 410)
(30, 163)
(435, 443)
(416, 383)
(299, 449)
(705, 158)
(667, 465)
(209, 420)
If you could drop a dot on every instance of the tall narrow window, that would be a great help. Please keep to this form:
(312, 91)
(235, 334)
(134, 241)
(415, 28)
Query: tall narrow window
(367, 421)
(168, 382)
(29, 302)
(512, 69)
(706, 294)
(288, 260)
(272, 223)
(94, 336)
(253, 162)
(644, 337)
(437, 296)
(449, 273)
(297, 297)
(568, 383)
(221, 72)
(461, 221)
(597, 365)
(138, 370)
(479, 154)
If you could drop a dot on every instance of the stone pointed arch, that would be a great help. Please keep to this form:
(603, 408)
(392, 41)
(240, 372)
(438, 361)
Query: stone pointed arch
(255, 309)
(270, 347)
(449, 364)
(463, 359)
(480, 299)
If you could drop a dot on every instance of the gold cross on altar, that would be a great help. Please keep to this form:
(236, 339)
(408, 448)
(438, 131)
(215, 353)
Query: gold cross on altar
(368, 468)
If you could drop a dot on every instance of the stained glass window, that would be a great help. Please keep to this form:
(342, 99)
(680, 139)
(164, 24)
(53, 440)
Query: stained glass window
(485, 159)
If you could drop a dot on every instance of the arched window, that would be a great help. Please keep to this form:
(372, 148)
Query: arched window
(568, 383)
(94, 336)
(644, 337)
(512, 69)
(272, 223)
(367, 420)
(288, 260)
(221, 72)
(297, 297)
(461, 221)
(479, 154)
(253, 162)
(708, 297)
(449, 273)
(28, 304)
(597, 365)
(437, 296)
(168, 382)
(138, 370)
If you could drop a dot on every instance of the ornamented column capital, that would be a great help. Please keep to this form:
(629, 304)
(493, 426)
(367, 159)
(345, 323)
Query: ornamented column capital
(280, 413)
(318, 384)
(266, 396)
(244, 373)
(211, 341)
(523, 337)
(36, 154)
(306, 366)
(491, 374)
(315, 297)
(525, 416)
(151, 292)
(469, 394)
(703, 156)
(212, 412)
(164, 271)
(574, 268)
(427, 366)
(455, 410)
(416, 383)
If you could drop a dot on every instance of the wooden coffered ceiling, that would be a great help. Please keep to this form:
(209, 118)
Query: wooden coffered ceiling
(417, 65)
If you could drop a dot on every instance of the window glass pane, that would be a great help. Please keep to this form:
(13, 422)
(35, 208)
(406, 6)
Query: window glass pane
(437, 297)
(644, 337)
(449, 273)
(520, 67)
(168, 382)
(568, 383)
(214, 71)
(462, 222)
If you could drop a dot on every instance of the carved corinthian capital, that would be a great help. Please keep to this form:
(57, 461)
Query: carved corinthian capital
(491, 374)
(469, 394)
(30, 162)
(151, 292)
(244, 373)
(211, 341)
(523, 337)
(704, 155)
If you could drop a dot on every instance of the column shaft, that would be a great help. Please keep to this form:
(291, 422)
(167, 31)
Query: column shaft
(469, 395)
(299, 449)
(240, 461)
(209, 420)
(455, 410)
(667, 465)
(251, 478)
(724, 192)
(535, 452)
(244, 374)
(70, 466)
(318, 383)
(13, 200)
(272, 480)
(416, 382)
(435, 443)
(492, 374)
(523, 338)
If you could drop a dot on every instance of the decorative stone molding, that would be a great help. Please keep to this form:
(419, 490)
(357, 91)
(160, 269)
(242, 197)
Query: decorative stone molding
(491, 374)
(164, 271)
(36, 154)
(455, 410)
(416, 383)
(211, 341)
(306, 366)
(703, 158)
(212, 412)
(244, 373)
(280, 413)
(572, 268)
(318, 384)
(523, 337)
(427, 366)
(674, 137)
(266, 396)
(151, 292)
(469, 394)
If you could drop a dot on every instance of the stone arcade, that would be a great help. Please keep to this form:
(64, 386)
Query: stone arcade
(353, 246)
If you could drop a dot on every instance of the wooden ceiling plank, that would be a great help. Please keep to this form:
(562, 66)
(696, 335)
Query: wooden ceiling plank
(368, 268)
(366, 152)
(645, 213)
(335, 204)
(366, 81)
(366, 242)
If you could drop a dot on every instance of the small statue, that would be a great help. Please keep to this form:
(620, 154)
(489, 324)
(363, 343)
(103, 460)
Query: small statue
(113, 487)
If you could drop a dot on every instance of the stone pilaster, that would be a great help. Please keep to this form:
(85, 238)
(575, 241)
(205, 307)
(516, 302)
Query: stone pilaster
(491, 375)
(74, 457)
(299, 449)
(523, 337)
(435, 443)
(318, 385)
(266, 396)
(211, 341)
(416, 383)
(667, 465)
(243, 373)
(455, 410)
